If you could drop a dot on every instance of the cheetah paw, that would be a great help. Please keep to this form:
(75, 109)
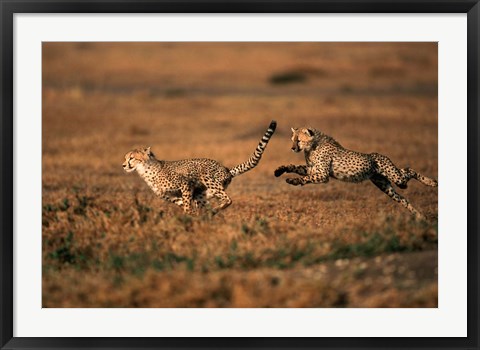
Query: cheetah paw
(294, 181)
(279, 171)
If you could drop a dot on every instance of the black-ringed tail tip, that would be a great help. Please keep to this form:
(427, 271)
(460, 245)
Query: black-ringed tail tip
(273, 125)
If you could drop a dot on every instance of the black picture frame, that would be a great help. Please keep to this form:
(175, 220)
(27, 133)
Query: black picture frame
(9, 7)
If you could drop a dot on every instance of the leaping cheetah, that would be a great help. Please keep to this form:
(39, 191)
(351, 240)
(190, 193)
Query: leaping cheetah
(197, 180)
(326, 158)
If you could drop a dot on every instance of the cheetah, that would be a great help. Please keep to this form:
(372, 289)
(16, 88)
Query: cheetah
(326, 158)
(191, 180)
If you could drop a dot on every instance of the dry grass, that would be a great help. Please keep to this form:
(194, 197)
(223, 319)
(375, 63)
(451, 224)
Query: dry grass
(109, 242)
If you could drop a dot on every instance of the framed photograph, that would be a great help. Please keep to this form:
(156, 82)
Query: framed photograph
(239, 174)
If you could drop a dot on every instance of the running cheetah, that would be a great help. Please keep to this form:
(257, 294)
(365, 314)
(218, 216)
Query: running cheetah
(197, 180)
(326, 158)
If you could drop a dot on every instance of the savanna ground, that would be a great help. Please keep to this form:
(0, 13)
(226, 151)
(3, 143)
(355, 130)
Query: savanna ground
(109, 242)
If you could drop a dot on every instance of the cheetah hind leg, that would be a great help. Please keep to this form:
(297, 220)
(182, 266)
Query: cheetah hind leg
(399, 176)
(179, 201)
(224, 199)
(409, 173)
(383, 184)
(187, 196)
(198, 198)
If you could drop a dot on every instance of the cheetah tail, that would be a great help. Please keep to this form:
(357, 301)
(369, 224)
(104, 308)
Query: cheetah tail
(255, 158)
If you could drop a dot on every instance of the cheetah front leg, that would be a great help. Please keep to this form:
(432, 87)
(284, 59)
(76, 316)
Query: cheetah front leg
(199, 202)
(385, 185)
(170, 196)
(187, 196)
(296, 169)
(175, 200)
(180, 201)
(318, 174)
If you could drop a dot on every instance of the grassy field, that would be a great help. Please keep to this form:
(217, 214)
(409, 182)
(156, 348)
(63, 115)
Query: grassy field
(109, 242)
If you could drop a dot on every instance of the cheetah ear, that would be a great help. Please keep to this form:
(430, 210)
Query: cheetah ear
(309, 132)
(150, 153)
(293, 129)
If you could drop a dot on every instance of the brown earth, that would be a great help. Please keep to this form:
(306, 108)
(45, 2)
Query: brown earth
(109, 242)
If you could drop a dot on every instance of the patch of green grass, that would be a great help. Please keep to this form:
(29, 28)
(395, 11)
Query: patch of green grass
(259, 225)
(64, 252)
(82, 203)
(239, 253)
(64, 205)
(143, 211)
(138, 263)
(376, 244)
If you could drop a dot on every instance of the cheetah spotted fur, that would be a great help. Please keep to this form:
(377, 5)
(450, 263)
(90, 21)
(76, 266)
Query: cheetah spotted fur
(326, 158)
(189, 183)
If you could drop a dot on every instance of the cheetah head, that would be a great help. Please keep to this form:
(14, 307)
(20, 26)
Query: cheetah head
(136, 158)
(302, 139)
